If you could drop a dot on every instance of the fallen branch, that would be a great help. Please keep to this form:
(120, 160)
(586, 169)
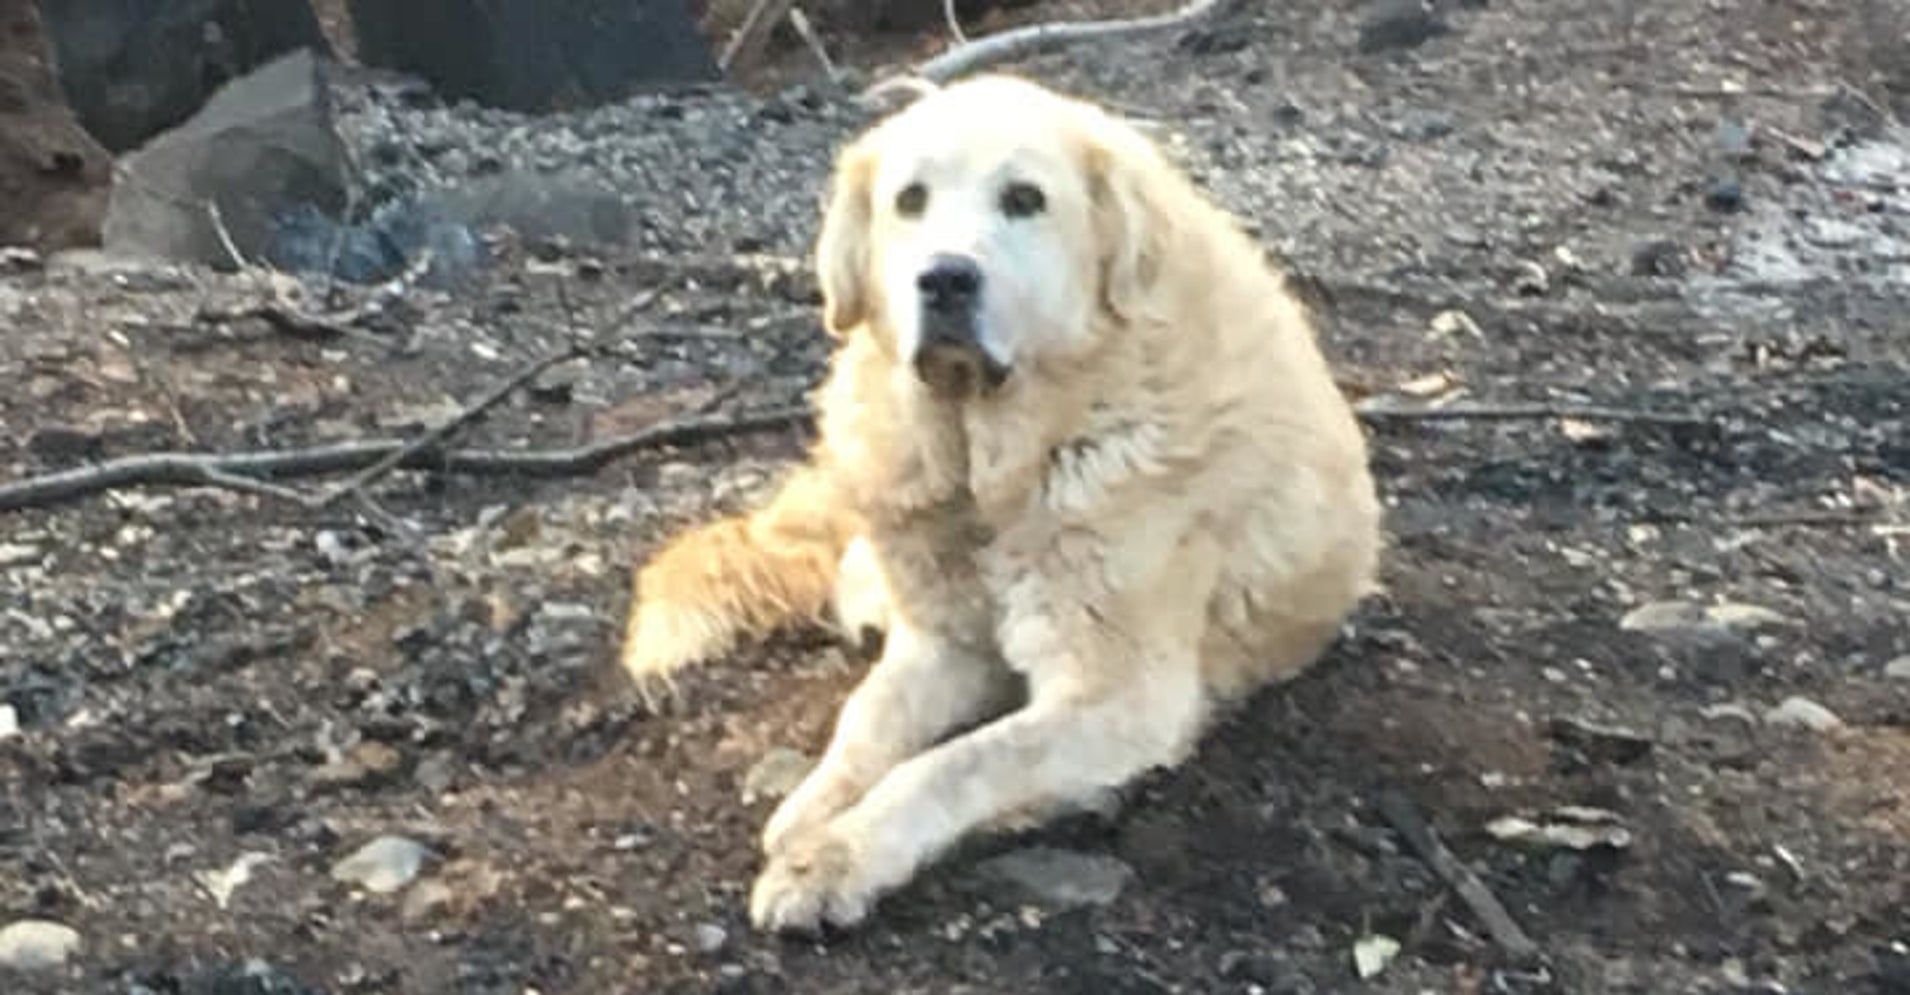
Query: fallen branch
(423, 453)
(1034, 38)
(1425, 843)
(1526, 412)
(747, 44)
(247, 471)
(807, 31)
(435, 436)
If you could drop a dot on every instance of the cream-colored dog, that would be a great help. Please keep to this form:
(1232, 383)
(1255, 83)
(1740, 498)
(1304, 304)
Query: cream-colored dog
(1079, 458)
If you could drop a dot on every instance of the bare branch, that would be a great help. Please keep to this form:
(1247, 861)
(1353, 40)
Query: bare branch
(224, 469)
(746, 45)
(954, 22)
(1424, 841)
(1021, 42)
(437, 434)
(807, 31)
(225, 237)
(1525, 412)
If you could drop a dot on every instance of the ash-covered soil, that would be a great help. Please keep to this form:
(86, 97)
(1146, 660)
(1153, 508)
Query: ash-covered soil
(220, 697)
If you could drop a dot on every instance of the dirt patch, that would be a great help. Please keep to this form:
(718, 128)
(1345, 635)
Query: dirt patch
(189, 668)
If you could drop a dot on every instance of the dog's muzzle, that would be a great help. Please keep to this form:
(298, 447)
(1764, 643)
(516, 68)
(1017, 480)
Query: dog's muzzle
(950, 358)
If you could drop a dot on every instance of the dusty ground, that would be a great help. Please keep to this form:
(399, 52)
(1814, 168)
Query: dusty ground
(199, 676)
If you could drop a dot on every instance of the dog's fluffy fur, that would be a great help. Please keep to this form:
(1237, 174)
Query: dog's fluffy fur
(1164, 505)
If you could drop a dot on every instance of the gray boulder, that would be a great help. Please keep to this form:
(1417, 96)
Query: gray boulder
(262, 148)
(133, 68)
(535, 55)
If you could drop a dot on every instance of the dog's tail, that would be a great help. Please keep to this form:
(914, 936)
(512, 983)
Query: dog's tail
(716, 585)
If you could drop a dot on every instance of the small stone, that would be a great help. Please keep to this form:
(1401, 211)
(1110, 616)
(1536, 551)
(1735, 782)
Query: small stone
(13, 554)
(1456, 323)
(1399, 24)
(368, 764)
(64, 443)
(1804, 713)
(1062, 878)
(221, 883)
(1667, 617)
(776, 774)
(1658, 257)
(558, 384)
(426, 899)
(37, 944)
(1898, 669)
(710, 937)
(1608, 744)
(1725, 194)
(9, 722)
(19, 259)
(383, 865)
(1531, 280)
(1372, 954)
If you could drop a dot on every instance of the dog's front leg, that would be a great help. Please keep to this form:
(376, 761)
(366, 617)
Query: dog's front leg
(938, 672)
(1114, 689)
(923, 687)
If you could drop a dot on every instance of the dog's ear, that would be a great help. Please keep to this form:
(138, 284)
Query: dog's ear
(1125, 178)
(842, 248)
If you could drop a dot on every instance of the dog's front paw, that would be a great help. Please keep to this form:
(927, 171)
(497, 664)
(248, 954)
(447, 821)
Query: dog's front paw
(816, 880)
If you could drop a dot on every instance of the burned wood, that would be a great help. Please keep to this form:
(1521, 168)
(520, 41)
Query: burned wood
(1424, 841)
(227, 470)
(1016, 43)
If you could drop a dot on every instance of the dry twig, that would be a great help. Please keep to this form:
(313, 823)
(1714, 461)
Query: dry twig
(435, 436)
(253, 471)
(1526, 412)
(748, 41)
(1021, 42)
(1424, 842)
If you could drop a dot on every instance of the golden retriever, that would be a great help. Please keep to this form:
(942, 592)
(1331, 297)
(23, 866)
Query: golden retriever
(1079, 459)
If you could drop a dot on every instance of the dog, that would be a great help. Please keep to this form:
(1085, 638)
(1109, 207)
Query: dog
(1079, 462)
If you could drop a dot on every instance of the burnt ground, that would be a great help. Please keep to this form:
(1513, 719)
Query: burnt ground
(200, 675)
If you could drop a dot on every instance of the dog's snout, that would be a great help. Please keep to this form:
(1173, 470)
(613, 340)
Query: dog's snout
(950, 283)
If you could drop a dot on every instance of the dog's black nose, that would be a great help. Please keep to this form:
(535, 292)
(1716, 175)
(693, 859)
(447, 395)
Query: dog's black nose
(950, 283)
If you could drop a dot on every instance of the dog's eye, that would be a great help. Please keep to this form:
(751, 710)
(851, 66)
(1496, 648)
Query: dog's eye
(1021, 200)
(910, 202)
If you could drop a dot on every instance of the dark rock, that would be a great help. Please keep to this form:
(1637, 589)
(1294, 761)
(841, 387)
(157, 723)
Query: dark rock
(1399, 24)
(59, 444)
(53, 175)
(254, 977)
(1724, 194)
(1893, 973)
(133, 68)
(1658, 257)
(262, 148)
(534, 55)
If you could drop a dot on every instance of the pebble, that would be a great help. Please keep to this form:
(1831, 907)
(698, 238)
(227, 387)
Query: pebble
(1805, 713)
(368, 763)
(776, 774)
(37, 944)
(383, 865)
(1061, 878)
(9, 722)
(1665, 617)
(1658, 257)
(1725, 194)
(1399, 24)
(1530, 279)
(710, 937)
(1898, 669)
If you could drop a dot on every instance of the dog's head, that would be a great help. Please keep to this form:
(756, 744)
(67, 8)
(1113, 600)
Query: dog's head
(990, 225)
